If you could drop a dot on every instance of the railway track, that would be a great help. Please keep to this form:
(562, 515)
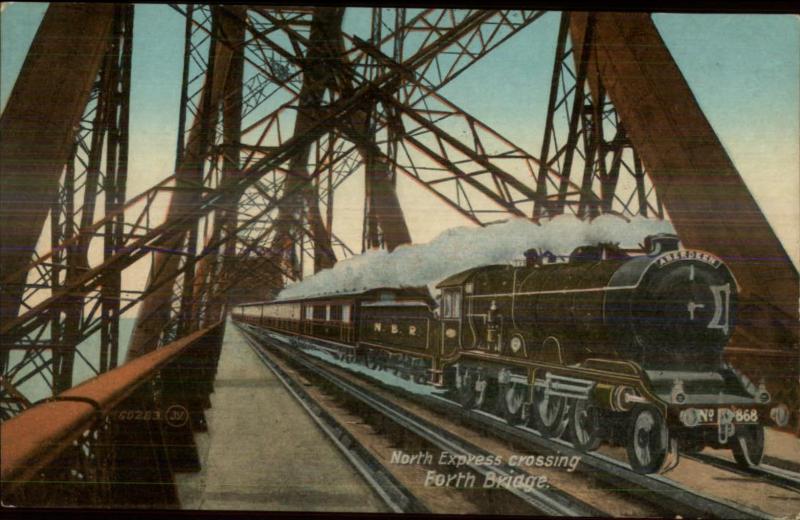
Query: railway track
(661, 491)
(774, 475)
(549, 501)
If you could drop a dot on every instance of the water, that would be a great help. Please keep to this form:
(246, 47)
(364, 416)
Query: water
(38, 387)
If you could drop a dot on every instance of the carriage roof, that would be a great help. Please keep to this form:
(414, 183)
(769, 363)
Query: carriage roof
(397, 292)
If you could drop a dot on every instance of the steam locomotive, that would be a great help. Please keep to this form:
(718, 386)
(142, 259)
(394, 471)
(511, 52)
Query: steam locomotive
(606, 345)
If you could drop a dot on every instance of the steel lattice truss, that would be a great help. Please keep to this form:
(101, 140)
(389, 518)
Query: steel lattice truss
(584, 136)
(267, 136)
(93, 181)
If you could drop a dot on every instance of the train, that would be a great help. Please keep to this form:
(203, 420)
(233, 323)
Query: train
(605, 345)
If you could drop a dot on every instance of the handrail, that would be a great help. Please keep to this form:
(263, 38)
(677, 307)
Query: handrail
(34, 438)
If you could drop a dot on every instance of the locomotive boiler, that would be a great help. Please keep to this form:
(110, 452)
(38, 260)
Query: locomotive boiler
(668, 313)
(606, 345)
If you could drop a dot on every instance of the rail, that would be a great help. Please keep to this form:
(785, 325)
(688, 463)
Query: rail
(772, 474)
(118, 438)
(550, 501)
(662, 491)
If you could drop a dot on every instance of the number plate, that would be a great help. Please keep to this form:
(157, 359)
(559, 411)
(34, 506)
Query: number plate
(735, 415)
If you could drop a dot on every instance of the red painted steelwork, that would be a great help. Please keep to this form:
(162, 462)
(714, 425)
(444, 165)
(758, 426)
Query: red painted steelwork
(154, 312)
(35, 437)
(38, 127)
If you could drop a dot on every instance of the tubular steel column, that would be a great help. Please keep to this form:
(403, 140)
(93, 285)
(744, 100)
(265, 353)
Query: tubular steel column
(371, 234)
(114, 185)
(106, 133)
(37, 129)
(155, 310)
(542, 206)
(325, 33)
(216, 265)
(380, 178)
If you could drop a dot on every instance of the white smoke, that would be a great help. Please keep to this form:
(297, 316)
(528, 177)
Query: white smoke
(458, 249)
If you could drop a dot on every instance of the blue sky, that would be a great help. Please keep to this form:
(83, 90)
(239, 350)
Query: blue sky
(744, 71)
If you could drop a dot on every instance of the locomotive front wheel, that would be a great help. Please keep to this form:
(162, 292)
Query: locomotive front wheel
(511, 402)
(647, 443)
(584, 426)
(549, 413)
(748, 445)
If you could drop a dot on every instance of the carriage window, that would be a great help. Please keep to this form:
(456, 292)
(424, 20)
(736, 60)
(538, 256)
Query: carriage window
(327, 313)
(309, 312)
(451, 304)
(336, 313)
(319, 312)
(345, 313)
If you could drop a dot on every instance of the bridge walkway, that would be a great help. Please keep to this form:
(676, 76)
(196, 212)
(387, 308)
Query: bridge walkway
(262, 451)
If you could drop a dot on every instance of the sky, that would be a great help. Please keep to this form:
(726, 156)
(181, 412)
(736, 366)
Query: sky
(743, 69)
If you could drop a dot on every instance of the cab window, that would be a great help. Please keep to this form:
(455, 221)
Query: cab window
(451, 303)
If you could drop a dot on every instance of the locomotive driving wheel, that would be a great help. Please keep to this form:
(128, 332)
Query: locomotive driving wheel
(584, 425)
(549, 413)
(647, 442)
(471, 387)
(511, 402)
(748, 445)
